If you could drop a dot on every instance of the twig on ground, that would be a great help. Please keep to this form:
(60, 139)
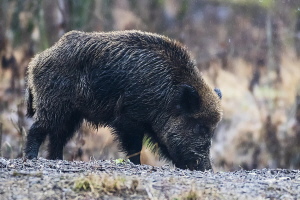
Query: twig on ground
(135, 154)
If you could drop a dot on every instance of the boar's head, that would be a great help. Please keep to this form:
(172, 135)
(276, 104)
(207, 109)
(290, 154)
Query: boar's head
(186, 133)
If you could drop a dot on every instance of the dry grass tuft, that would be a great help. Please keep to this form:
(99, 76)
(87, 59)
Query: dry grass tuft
(104, 184)
(193, 194)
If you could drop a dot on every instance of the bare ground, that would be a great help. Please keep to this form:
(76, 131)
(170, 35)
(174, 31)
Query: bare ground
(45, 179)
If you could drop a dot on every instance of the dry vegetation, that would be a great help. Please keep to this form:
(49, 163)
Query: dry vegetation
(48, 179)
(245, 49)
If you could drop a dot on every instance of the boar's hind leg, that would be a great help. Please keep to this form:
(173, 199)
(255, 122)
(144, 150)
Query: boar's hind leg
(35, 138)
(63, 132)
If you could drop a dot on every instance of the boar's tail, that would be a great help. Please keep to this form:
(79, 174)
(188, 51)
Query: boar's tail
(29, 99)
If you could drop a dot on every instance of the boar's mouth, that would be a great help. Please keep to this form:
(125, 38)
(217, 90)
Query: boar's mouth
(198, 164)
(186, 154)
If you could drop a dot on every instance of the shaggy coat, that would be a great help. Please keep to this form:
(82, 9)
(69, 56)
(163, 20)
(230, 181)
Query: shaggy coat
(135, 82)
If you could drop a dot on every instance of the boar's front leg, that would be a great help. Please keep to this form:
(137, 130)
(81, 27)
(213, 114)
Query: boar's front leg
(130, 136)
(132, 144)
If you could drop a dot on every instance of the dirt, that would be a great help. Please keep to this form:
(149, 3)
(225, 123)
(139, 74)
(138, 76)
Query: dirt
(118, 179)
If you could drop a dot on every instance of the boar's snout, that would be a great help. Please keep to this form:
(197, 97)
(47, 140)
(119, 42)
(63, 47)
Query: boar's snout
(200, 164)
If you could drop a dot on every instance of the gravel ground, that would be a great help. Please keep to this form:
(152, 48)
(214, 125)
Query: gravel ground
(114, 179)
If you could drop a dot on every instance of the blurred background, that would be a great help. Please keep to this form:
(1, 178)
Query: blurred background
(248, 49)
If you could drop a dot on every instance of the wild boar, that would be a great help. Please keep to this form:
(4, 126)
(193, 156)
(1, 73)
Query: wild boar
(135, 82)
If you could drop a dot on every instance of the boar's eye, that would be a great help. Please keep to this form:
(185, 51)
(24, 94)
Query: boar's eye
(201, 130)
(189, 100)
(196, 129)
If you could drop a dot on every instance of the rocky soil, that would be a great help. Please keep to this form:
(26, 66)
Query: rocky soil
(118, 179)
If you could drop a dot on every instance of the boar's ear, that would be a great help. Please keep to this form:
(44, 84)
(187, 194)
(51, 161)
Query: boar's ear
(189, 100)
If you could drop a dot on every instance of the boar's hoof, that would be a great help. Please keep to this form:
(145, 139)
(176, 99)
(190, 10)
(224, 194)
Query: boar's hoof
(31, 155)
